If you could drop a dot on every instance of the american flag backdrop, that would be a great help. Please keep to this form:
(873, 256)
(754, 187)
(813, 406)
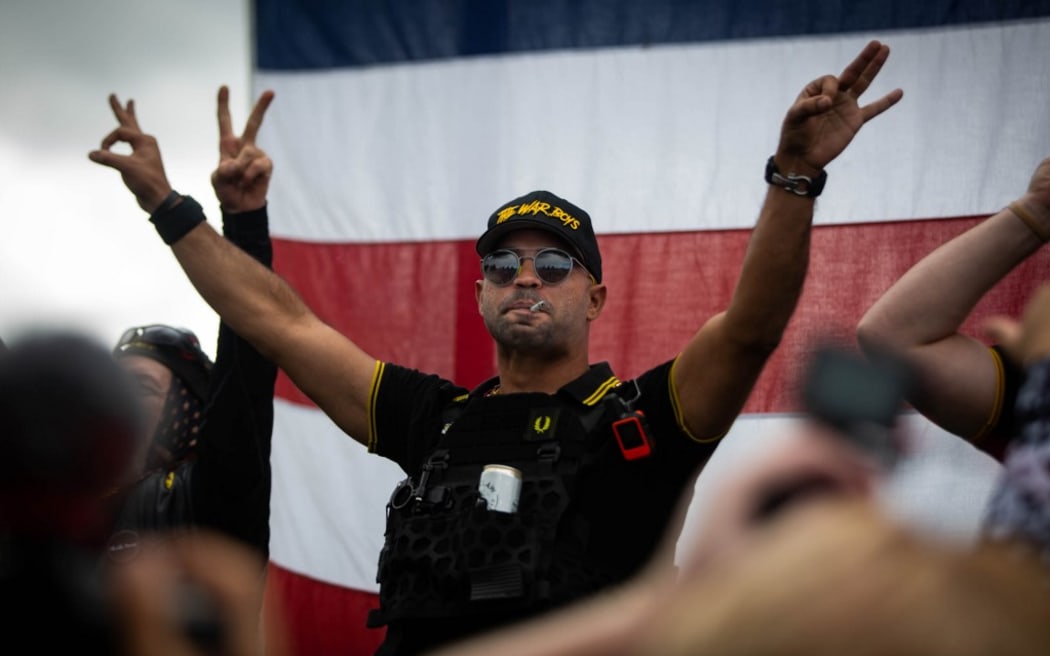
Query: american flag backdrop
(399, 126)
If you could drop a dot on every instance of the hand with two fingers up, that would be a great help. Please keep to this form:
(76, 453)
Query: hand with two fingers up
(827, 114)
(241, 179)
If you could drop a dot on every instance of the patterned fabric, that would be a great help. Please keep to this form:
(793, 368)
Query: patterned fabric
(1020, 505)
(179, 427)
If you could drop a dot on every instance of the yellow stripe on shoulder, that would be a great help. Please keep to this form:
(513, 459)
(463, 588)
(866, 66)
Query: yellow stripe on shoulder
(997, 402)
(373, 392)
(602, 390)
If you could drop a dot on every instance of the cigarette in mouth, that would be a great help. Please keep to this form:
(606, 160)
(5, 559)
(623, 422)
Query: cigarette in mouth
(535, 307)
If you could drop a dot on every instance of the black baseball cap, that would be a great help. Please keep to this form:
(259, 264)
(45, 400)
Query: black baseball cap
(543, 210)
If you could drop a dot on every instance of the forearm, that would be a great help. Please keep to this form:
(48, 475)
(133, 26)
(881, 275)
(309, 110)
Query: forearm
(931, 301)
(773, 271)
(716, 371)
(264, 310)
(251, 299)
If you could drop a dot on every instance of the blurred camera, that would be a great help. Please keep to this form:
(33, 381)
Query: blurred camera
(860, 398)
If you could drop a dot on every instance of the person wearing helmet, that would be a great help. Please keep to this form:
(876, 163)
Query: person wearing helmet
(172, 375)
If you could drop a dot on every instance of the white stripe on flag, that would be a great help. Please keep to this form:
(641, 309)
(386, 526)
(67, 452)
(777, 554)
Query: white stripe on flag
(328, 504)
(663, 138)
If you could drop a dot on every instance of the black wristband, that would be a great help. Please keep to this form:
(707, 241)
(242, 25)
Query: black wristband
(800, 185)
(174, 221)
(250, 232)
(252, 224)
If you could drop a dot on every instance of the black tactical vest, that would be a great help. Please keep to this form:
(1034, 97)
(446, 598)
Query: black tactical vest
(448, 555)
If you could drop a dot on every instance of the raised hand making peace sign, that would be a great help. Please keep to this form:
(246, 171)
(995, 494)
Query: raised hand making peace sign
(241, 180)
(827, 114)
(243, 175)
(143, 169)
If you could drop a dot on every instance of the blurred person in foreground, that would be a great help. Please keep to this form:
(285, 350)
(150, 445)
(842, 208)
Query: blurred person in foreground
(195, 594)
(71, 433)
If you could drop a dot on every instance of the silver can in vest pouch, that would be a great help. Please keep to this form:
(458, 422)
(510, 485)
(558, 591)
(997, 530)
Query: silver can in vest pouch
(500, 487)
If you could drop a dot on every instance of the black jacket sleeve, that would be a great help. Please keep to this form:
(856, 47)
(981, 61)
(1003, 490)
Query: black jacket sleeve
(230, 486)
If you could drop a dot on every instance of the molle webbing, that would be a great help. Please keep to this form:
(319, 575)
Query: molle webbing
(447, 555)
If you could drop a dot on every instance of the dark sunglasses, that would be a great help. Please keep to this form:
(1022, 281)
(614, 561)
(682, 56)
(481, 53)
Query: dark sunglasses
(160, 335)
(552, 266)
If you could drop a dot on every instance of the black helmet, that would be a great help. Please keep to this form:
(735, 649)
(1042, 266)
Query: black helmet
(176, 348)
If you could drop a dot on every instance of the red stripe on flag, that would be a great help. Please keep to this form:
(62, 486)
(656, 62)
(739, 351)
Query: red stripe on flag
(320, 618)
(413, 303)
(409, 303)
